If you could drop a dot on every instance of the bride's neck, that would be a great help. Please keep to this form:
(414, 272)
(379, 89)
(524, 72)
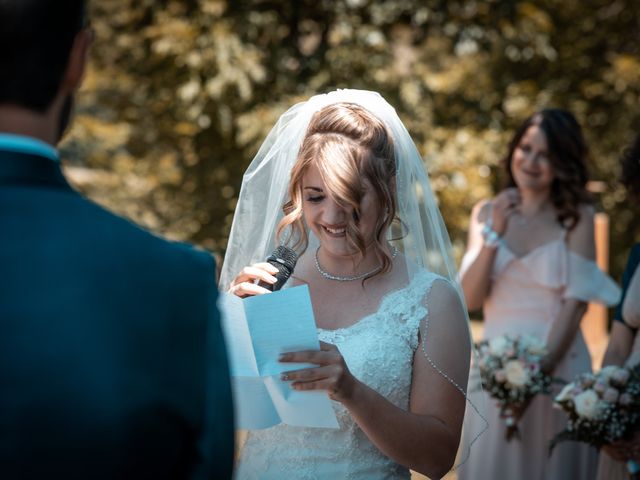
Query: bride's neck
(352, 264)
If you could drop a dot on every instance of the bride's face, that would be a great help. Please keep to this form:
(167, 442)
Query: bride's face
(328, 220)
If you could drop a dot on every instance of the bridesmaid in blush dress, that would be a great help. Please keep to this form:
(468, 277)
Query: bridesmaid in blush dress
(530, 266)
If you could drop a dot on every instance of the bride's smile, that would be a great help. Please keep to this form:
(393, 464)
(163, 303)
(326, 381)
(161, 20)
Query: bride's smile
(332, 222)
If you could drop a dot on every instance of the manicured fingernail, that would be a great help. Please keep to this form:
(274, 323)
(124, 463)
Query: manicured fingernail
(284, 376)
(282, 357)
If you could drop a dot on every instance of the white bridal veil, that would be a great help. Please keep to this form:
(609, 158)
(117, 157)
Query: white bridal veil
(421, 235)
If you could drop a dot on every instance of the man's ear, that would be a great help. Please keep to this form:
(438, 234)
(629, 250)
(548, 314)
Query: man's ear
(78, 58)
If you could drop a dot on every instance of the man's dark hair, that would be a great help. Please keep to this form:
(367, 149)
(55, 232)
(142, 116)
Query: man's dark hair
(36, 37)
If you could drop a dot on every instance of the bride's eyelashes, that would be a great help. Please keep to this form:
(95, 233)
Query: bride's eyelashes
(315, 199)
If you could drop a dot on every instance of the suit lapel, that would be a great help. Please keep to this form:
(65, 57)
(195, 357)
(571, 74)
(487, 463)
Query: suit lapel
(26, 169)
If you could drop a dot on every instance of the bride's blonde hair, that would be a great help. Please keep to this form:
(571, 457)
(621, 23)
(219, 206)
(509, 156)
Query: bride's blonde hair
(347, 144)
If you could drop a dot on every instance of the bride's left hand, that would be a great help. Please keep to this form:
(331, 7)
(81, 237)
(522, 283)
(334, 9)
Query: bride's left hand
(331, 375)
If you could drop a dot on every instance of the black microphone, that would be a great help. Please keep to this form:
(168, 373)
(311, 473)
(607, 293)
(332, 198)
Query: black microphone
(284, 259)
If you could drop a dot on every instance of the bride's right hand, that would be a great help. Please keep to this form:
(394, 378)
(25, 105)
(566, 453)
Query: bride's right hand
(505, 204)
(246, 282)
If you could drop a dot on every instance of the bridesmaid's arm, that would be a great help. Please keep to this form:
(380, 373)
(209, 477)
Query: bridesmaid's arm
(631, 305)
(619, 347)
(566, 324)
(475, 272)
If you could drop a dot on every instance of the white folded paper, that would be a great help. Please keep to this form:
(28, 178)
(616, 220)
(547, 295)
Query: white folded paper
(257, 330)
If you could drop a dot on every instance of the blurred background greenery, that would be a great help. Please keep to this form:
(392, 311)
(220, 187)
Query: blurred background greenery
(180, 94)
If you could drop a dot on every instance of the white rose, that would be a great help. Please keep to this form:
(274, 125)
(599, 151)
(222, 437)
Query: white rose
(517, 375)
(587, 404)
(497, 346)
(564, 393)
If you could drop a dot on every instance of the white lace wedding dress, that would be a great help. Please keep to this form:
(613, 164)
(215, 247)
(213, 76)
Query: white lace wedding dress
(379, 351)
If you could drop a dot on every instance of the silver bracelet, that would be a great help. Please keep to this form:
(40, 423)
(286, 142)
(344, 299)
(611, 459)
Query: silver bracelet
(490, 236)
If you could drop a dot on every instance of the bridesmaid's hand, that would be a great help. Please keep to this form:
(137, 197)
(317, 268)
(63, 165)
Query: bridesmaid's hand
(331, 375)
(246, 282)
(504, 205)
(515, 411)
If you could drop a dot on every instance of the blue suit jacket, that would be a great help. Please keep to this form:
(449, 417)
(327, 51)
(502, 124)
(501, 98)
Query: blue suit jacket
(112, 363)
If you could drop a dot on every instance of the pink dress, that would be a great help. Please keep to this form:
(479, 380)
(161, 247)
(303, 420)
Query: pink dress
(526, 296)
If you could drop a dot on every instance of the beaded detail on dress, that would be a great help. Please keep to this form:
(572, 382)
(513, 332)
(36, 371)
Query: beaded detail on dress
(379, 351)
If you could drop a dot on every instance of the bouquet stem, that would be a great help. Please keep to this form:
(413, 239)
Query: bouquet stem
(512, 427)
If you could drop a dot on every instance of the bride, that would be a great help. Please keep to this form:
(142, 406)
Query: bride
(340, 181)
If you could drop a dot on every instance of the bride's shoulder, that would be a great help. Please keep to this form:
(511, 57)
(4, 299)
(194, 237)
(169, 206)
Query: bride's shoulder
(423, 280)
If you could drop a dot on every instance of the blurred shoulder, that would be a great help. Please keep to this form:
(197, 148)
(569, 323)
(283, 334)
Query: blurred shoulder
(581, 236)
(113, 232)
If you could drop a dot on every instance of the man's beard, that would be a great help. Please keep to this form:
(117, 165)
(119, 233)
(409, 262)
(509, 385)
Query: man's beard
(65, 116)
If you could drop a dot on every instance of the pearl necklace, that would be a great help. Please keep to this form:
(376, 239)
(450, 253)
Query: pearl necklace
(337, 278)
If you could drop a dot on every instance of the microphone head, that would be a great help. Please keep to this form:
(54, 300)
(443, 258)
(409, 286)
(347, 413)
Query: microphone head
(284, 259)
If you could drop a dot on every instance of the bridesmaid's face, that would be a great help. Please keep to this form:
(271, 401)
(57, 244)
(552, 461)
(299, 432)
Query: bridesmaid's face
(530, 164)
(328, 220)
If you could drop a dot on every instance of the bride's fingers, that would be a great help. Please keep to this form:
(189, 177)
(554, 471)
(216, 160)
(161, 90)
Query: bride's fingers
(328, 347)
(246, 289)
(307, 374)
(254, 272)
(319, 357)
(324, 384)
(266, 266)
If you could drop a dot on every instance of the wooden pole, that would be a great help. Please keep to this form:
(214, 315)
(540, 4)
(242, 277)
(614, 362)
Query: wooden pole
(594, 322)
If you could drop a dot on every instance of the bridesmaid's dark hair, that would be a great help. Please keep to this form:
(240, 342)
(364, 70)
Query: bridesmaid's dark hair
(630, 177)
(568, 156)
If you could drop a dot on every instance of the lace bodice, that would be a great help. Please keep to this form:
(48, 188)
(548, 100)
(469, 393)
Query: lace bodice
(378, 350)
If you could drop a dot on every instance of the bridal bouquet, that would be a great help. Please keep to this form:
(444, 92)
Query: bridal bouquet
(603, 407)
(510, 371)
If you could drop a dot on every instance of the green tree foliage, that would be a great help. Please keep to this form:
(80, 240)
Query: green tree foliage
(181, 93)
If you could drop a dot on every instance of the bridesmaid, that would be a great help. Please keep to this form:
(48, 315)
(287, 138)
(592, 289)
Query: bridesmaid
(624, 341)
(530, 266)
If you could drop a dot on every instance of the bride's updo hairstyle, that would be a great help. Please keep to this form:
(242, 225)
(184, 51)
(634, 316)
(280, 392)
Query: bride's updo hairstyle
(348, 145)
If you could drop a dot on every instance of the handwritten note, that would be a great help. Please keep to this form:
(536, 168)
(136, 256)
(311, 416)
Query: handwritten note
(257, 330)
